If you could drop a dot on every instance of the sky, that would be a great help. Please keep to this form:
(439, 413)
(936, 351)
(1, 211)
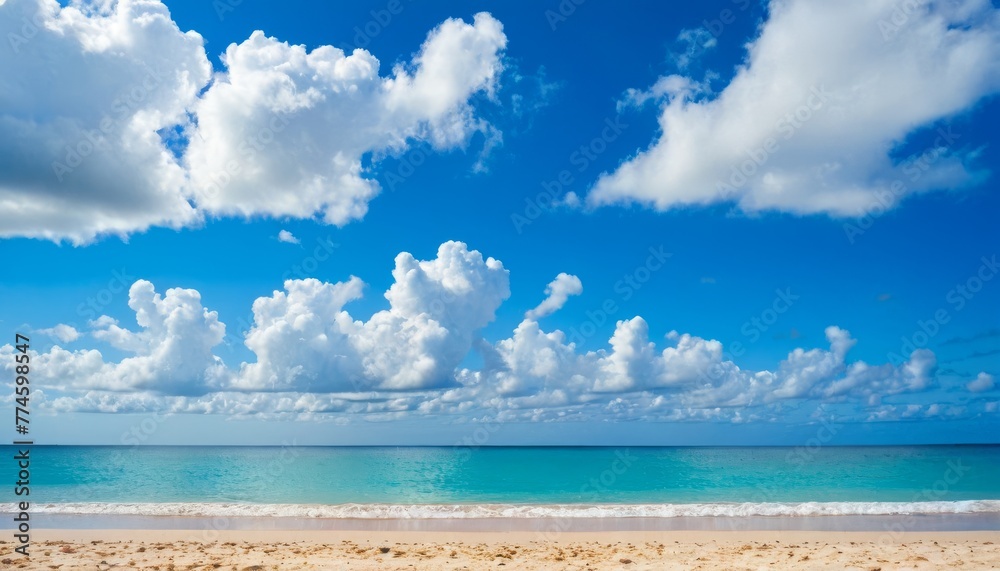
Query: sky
(575, 222)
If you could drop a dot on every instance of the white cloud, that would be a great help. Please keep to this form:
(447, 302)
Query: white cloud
(671, 86)
(283, 130)
(558, 291)
(304, 340)
(982, 383)
(171, 352)
(685, 379)
(84, 90)
(532, 361)
(872, 382)
(95, 143)
(697, 41)
(287, 237)
(276, 405)
(314, 358)
(62, 332)
(632, 363)
(802, 370)
(300, 337)
(814, 116)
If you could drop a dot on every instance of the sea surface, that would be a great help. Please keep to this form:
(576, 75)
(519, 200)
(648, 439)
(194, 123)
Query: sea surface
(512, 482)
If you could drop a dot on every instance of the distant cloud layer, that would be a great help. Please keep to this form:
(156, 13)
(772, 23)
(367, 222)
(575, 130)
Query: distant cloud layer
(811, 122)
(314, 358)
(280, 131)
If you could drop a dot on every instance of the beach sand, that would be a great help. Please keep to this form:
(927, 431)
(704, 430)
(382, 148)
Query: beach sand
(171, 550)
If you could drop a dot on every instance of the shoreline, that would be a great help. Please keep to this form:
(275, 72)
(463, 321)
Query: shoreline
(908, 523)
(516, 510)
(79, 550)
(375, 536)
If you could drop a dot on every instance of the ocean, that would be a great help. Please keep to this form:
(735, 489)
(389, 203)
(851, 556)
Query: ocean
(513, 482)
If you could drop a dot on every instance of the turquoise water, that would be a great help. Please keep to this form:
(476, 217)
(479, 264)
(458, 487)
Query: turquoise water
(344, 475)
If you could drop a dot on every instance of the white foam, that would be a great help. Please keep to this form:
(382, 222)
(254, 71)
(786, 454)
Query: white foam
(489, 511)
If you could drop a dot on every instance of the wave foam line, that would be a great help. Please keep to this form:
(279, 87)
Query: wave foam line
(489, 511)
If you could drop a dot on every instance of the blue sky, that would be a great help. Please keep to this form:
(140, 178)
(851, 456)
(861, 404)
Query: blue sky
(643, 113)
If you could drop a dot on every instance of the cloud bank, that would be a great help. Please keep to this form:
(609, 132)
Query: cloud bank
(313, 358)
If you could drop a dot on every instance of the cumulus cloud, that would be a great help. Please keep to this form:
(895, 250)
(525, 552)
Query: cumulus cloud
(86, 91)
(873, 382)
(802, 370)
(688, 378)
(62, 332)
(127, 128)
(304, 340)
(558, 291)
(533, 361)
(170, 353)
(313, 358)
(810, 123)
(982, 383)
(287, 237)
(283, 130)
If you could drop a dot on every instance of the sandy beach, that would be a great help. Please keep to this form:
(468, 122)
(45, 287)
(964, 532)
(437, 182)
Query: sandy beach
(166, 550)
